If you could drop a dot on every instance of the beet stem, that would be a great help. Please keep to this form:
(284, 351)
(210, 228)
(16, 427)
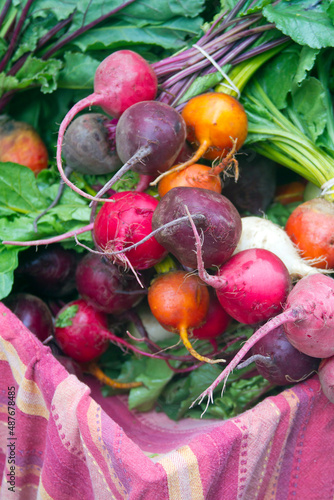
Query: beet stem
(4, 11)
(45, 39)
(49, 241)
(139, 156)
(213, 281)
(118, 340)
(265, 360)
(15, 36)
(83, 29)
(153, 233)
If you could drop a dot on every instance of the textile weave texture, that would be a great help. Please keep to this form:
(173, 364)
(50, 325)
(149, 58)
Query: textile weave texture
(73, 444)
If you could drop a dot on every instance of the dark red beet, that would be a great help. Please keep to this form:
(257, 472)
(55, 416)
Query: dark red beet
(152, 124)
(107, 287)
(282, 364)
(220, 225)
(50, 270)
(149, 137)
(33, 312)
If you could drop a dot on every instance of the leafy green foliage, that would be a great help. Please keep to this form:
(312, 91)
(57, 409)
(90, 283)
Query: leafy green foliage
(290, 113)
(307, 22)
(162, 25)
(22, 198)
(173, 393)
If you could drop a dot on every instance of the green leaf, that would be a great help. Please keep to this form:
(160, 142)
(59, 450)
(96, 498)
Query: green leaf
(155, 376)
(21, 229)
(78, 71)
(279, 213)
(18, 189)
(306, 63)
(169, 35)
(38, 72)
(277, 76)
(8, 264)
(203, 84)
(309, 101)
(33, 72)
(161, 10)
(307, 22)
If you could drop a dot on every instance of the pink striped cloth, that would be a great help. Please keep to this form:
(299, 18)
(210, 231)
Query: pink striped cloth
(68, 442)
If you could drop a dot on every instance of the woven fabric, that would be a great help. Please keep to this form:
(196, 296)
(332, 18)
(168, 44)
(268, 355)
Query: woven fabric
(71, 443)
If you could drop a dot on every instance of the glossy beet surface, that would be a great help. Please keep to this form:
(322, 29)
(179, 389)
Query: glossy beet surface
(254, 285)
(33, 312)
(152, 124)
(286, 364)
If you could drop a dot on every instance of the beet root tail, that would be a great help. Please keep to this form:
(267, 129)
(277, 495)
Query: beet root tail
(96, 371)
(187, 344)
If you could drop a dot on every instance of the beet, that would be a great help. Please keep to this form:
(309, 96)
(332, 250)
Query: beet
(255, 188)
(33, 312)
(88, 147)
(107, 287)
(282, 364)
(124, 222)
(220, 224)
(50, 270)
(149, 137)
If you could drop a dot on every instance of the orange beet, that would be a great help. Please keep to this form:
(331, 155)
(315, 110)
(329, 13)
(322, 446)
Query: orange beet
(20, 143)
(180, 301)
(216, 124)
(195, 175)
(311, 227)
(213, 121)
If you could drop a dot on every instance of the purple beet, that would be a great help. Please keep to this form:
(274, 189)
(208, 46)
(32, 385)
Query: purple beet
(279, 362)
(215, 217)
(33, 312)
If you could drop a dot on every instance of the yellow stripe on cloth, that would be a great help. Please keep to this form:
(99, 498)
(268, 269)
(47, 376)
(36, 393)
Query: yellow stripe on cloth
(29, 398)
(99, 481)
(42, 494)
(183, 476)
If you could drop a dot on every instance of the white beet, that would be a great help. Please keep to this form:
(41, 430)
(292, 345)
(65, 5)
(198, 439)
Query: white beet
(258, 232)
